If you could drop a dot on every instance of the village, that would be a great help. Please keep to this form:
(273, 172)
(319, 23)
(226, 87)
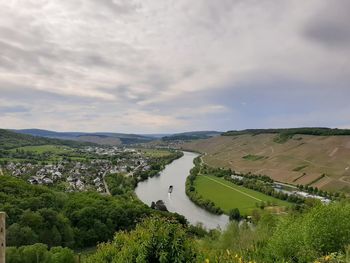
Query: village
(82, 174)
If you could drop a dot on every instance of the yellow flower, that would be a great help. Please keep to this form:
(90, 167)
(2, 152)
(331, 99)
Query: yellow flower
(236, 256)
(228, 252)
(207, 260)
(327, 258)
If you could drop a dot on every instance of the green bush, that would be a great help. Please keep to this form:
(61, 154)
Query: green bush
(154, 240)
(322, 230)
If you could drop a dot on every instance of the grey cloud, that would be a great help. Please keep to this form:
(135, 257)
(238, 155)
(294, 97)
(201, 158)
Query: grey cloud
(330, 26)
(13, 109)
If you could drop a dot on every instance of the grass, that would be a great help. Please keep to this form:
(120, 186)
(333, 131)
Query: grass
(227, 195)
(45, 148)
(252, 157)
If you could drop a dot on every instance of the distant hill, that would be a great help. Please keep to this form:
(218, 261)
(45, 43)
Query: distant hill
(10, 139)
(310, 156)
(318, 131)
(188, 136)
(103, 138)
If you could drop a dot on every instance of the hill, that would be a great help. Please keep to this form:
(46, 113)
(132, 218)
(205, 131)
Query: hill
(290, 155)
(188, 136)
(103, 138)
(10, 139)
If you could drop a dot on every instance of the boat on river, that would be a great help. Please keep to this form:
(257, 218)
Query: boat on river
(170, 189)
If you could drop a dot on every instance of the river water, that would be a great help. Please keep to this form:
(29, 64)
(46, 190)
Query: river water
(156, 188)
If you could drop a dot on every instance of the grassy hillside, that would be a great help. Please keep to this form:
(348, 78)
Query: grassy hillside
(317, 160)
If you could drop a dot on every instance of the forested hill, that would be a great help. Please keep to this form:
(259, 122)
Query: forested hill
(9, 140)
(318, 131)
(188, 136)
(102, 138)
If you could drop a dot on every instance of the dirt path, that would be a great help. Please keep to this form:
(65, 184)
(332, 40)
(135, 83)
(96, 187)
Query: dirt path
(105, 184)
(344, 181)
(333, 152)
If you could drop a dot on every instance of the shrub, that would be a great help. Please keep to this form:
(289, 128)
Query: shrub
(154, 240)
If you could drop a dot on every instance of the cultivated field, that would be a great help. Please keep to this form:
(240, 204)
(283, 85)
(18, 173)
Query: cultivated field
(300, 160)
(227, 195)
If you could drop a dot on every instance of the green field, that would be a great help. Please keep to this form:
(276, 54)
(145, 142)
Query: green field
(45, 148)
(227, 195)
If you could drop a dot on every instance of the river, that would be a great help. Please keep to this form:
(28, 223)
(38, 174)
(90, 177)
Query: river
(156, 188)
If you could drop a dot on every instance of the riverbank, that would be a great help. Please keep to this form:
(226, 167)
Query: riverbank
(175, 174)
(214, 190)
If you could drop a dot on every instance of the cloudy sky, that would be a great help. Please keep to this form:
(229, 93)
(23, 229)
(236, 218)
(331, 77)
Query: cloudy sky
(149, 66)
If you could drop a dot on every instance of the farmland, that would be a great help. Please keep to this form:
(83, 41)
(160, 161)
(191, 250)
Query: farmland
(299, 160)
(227, 195)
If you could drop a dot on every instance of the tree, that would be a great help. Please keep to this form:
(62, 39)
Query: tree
(234, 214)
(62, 255)
(19, 236)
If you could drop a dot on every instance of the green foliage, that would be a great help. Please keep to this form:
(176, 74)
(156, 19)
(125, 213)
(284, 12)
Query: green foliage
(158, 163)
(154, 240)
(38, 214)
(119, 184)
(39, 253)
(252, 157)
(234, 214)
(322, 230)
(193, 194)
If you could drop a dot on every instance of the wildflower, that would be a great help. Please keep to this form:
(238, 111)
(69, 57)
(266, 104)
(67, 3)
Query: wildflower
(327, 258)
(207, 260)
(228, 252)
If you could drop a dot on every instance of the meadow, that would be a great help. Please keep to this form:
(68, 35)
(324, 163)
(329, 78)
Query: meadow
(227, 195)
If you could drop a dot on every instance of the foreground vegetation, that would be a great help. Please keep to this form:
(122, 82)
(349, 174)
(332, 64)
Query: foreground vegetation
(319, 234)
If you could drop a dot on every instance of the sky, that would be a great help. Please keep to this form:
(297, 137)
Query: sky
(159, 66)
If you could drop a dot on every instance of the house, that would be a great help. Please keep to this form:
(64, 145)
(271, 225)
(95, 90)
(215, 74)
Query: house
(47, 181)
